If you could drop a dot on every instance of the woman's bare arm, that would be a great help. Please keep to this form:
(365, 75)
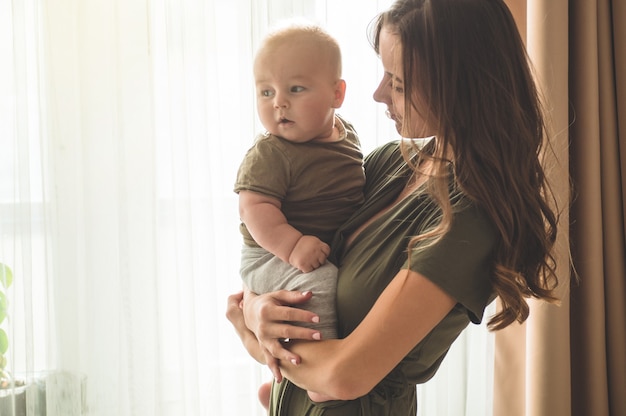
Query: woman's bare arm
(406, 311)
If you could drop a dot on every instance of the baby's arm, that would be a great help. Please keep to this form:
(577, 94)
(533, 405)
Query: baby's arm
(269, 227)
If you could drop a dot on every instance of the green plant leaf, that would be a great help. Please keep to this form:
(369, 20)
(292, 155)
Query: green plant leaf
(4, 305)
(6, 275)
(4, 341)
(6, 278)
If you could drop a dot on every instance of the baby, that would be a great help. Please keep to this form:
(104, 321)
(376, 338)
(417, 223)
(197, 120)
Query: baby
(304, 177)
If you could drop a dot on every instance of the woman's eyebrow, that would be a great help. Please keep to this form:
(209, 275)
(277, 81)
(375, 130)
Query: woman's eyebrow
(395, 78)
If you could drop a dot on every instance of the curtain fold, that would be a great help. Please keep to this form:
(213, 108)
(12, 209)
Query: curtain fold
(596, 100)
(598, 154)
(532, 365)
(101, 153)
(24, 214)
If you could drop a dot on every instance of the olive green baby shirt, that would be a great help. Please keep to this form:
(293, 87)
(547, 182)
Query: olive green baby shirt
(319, 184)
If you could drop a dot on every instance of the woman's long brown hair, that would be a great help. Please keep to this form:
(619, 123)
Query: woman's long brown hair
(467, 74)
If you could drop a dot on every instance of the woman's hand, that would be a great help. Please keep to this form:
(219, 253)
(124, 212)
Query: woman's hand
(234, 313)
(270, 316)
(234, 310)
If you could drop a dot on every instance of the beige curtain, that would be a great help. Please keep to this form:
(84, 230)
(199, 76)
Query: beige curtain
(532, 363)
(598, 160)
(571, 360)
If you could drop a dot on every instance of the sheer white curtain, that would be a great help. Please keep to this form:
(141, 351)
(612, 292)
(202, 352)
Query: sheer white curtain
(122, 123)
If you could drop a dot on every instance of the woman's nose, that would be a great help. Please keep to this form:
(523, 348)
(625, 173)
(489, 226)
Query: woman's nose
(382, 92)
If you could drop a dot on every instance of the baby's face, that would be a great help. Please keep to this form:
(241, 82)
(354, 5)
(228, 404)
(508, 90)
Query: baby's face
(296, 93)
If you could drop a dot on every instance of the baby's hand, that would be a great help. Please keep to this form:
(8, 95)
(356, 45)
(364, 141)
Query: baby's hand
(309, 253)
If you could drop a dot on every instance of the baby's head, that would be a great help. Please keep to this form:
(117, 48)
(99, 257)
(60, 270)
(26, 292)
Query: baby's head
(297, 73)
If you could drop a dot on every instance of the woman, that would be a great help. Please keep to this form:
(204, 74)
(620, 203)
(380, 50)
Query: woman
(444, 229)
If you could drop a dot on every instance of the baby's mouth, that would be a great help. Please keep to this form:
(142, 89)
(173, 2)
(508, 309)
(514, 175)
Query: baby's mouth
(284, 120)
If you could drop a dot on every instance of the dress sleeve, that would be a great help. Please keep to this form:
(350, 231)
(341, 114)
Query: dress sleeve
(461, 263)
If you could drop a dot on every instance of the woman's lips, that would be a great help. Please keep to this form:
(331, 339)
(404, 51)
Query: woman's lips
(390, 115)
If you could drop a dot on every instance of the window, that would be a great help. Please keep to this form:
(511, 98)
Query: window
(122, 124)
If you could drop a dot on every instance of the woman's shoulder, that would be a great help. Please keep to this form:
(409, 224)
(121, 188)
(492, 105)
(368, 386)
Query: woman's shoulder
(385, 149)
(384, 156)
(391, 152)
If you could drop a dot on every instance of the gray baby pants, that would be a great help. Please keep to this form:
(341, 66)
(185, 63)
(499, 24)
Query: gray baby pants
(263, 272)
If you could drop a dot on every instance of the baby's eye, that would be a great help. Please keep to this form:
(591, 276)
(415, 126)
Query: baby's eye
(297, 88)
(266, 93)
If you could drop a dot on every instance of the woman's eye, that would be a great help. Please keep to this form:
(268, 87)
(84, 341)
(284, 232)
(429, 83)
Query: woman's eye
(397, 87)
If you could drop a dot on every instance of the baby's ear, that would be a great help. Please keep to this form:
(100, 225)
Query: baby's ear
(340, 93)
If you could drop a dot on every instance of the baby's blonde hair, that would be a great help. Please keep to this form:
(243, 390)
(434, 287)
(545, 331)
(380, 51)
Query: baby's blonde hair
(310, 35)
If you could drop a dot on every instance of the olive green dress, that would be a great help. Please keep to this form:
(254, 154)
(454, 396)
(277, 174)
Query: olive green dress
(461, 264)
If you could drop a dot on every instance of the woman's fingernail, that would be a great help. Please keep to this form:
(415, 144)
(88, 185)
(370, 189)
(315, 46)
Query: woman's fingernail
(294, 361)
(315, 319)
(306, 293)
(317, 336)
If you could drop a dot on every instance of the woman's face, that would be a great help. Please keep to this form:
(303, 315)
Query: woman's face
(390, 91)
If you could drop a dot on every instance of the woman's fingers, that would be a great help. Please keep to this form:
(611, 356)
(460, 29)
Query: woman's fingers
(276, 306)
(235, 299)
(268, 317)
(290, 297)
(275, 312)
(276, 351)
(272, 363)
(234, 311)
(271, 317)
(284, 331)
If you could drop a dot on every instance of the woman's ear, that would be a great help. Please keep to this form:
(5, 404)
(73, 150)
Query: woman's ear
(340, 93)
